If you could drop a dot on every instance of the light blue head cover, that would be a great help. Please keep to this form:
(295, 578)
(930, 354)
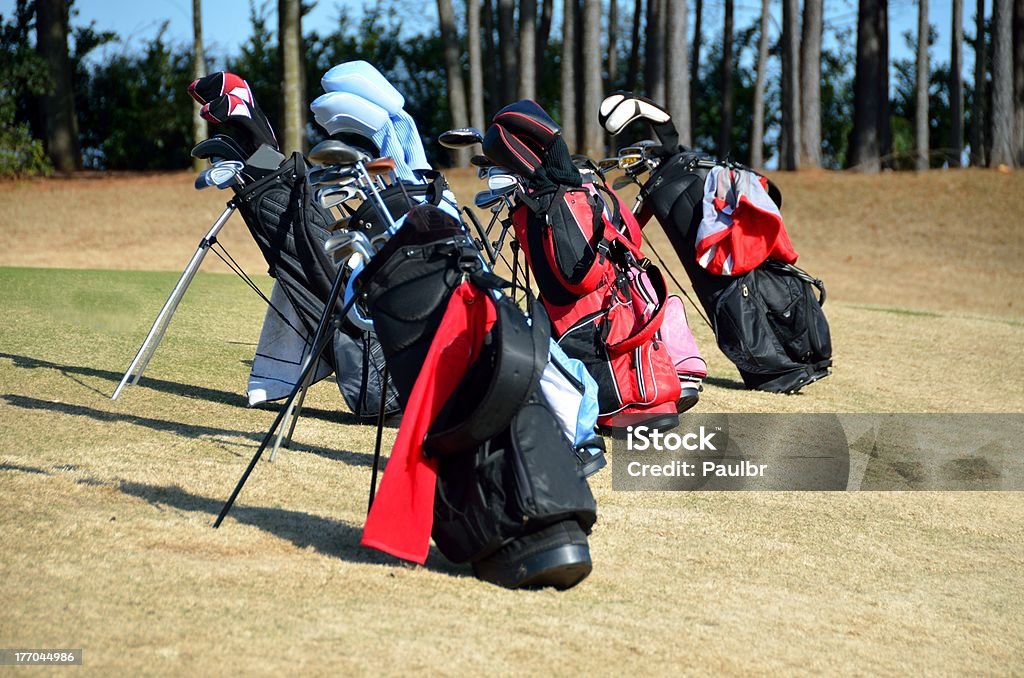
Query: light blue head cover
(339, 112)
(368, 92)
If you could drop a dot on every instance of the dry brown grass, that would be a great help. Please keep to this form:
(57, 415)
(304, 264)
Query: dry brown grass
(105, 506)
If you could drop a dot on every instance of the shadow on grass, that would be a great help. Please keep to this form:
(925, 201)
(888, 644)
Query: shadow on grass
(194, 431)
(330, 537)
(722, 382)
(172, 387)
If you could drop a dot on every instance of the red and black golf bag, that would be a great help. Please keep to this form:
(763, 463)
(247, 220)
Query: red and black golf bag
(605, 299)
(481, 462)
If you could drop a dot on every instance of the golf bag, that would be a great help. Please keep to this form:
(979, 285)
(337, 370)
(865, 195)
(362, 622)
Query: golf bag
(767, 320)
(605, 300)
(508, 495)
(290, 230)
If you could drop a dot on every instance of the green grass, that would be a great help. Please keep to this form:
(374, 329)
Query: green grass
(106, 508)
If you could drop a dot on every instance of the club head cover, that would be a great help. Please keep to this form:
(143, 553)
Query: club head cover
(362, 79)
(209, 87)
(508, 150)
(530, 123)
(621, 108)
(344, 112)
(234, 112)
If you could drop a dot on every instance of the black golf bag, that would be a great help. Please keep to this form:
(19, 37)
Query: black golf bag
(290, 230)
(768, 321)
(509, 496)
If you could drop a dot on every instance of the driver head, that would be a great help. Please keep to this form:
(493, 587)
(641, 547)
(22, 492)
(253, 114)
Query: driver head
(335, 152)
(463, 137)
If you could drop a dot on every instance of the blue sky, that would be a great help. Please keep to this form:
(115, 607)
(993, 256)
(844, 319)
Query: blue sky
(226, 22)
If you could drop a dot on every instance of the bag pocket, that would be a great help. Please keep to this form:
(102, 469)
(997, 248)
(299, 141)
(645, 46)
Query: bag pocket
(794, 311)
(584, 341)
(743, 332)
(549, 488)
(785, 306)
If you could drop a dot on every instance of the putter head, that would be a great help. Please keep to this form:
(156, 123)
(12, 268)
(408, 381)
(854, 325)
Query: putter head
(621, 108)
(223, 174)
(219, 147)
(463, 137)
(345, 243)
(334, 152)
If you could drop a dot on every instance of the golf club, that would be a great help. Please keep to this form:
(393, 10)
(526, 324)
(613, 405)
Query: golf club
(460, 138)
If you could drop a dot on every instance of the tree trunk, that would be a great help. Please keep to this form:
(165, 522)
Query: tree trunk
(453, 68)
(476, 71)
(884, 123)
(507, 45)
(810, 84)
(59, 117)
(865, 142)
(199, 131)
(654, 62)
(677, 72)
(725, 122)
(790, 138)
(1018, 79)
(568, 93)
(978, 102)
(1002, 84)
(921, 89)
(494, 91)
(293, 106)
(527, 49)
(592, 87)
(633, 68)
(956, 85)
(698, 39)
(757, 127)
(543, 35)
(613, 53)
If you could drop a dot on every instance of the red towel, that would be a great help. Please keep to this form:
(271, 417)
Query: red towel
(403, 511)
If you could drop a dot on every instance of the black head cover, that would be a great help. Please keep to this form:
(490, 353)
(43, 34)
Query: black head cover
(219, 146)
(251, 125)
(507, 149)
(531, 123)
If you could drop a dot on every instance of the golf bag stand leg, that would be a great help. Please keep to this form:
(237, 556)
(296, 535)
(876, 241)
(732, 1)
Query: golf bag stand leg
(291, 417)
(163, 319)
(324, 333)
